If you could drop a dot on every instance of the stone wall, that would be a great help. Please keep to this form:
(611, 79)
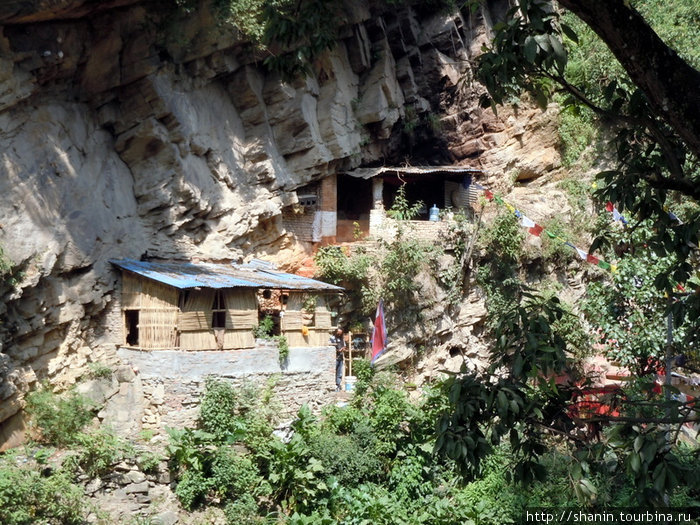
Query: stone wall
(171, 383)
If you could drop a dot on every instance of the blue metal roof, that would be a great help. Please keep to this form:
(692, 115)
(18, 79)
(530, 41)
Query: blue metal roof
(206, 275)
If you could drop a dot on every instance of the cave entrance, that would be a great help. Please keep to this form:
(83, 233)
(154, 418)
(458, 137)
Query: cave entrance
(131, 321)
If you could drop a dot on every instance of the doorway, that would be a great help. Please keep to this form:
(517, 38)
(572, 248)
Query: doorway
(131, 321)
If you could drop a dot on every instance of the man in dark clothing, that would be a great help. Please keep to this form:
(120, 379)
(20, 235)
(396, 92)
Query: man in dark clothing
(338, 340)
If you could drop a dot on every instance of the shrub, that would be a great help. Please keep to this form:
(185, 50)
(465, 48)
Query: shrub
(27, 497)
(97, 452)
(283, 346)
(233, 476)
(345, 458)
(336, 267)
(59, 419)
(100, 371)
(504, 238)
(264, 328)
(553, 249)
(216, 413)
(192, 487)
(243, 511)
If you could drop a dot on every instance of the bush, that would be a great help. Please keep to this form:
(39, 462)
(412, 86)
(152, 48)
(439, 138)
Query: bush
(345, 458)
(192, 487)
(59, 419)
(554, 250)
(504, 238)
(97, 452)
(216, 413)
(27, 497)
(264, 328)
(243, 511)
(233, 476)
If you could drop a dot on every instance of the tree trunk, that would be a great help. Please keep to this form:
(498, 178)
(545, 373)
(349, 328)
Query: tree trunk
(671, 85)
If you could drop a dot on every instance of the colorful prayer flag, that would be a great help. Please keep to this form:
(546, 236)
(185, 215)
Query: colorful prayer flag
(378, 333)
(583, 255)
(592, 259)
(604, 265)
(488, 194)
(536, 230)
(609, 206)
(526, 221)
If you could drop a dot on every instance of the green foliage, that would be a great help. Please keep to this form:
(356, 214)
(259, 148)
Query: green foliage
(382, 281)
(148, 461)
(336, 267)
(297, 477)
(28, 497)
(58, 418)
(553, 249)
(217, 411)
(97, 452)
(243, 511)
(504, 238)
(292, 33)
(264, 328)
(402, 209)
(283, 346)
(576, 131)
(10, 274)
(100, 371)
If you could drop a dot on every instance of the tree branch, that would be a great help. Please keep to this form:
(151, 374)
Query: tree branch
(669, 83)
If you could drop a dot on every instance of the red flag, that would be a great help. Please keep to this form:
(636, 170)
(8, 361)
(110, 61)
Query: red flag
(488, 194)
(378, 333)
(536, 230)
(609, 206)
(592, 259)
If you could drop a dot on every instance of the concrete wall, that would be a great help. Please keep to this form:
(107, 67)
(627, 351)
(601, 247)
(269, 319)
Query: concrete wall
(173, 381)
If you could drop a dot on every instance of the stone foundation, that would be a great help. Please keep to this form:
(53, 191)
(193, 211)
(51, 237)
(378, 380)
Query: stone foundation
(170, 384)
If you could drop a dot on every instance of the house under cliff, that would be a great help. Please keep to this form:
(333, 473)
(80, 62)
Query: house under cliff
(184, 306)
(333, 209)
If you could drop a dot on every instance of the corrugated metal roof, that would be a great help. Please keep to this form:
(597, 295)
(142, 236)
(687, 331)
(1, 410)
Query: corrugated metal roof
(368, 173)
(206, 275)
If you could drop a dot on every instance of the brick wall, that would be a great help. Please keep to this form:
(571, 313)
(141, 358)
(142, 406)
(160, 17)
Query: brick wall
(422, 230)
(302, 225)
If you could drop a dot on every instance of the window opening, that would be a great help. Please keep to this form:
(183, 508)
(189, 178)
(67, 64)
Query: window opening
(218, 311)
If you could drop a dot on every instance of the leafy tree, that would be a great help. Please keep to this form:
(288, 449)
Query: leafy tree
(656, 138)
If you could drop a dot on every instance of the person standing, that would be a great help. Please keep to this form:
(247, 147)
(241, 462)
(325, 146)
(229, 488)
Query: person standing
(338, 341)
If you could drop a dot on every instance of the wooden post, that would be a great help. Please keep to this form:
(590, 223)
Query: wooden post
(349, 353)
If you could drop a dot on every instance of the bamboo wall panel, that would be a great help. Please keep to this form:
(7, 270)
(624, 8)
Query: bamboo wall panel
(295, 338)
(322, 318)
(131, 291)
(293, 318)
(202, 340)
(241, 309)
(323, 314)
(157, 295)
(194, 321)
(238, 339)
(157, 328)
(199, 301)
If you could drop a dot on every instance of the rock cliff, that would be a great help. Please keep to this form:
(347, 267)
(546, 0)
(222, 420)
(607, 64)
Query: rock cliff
(125, 132)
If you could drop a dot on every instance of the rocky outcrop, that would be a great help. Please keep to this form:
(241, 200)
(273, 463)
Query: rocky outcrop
(123, 135)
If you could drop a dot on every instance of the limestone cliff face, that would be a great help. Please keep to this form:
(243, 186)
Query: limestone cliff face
(122, 134)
